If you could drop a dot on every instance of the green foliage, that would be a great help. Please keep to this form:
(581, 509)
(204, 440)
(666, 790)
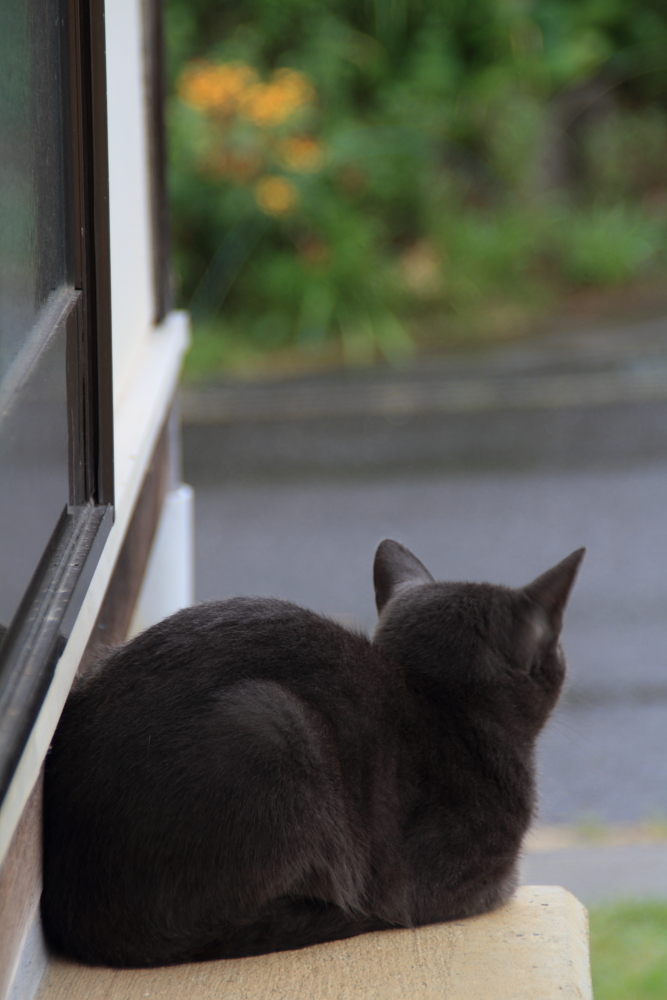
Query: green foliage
(606, 245)
(449, 166)
(629, 951)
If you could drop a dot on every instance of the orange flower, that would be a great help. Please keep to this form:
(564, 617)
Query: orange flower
(302, 153)
(273, 103)
(239, 168)
(216, 89)
(275, 195)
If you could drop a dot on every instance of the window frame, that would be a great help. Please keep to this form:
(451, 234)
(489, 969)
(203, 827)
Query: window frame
(39, 629)
(156, 88)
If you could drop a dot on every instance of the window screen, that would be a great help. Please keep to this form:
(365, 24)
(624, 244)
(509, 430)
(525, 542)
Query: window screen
(36, 289)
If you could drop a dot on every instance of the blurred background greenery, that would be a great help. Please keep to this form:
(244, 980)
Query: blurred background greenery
(629, 950)
(360, 180)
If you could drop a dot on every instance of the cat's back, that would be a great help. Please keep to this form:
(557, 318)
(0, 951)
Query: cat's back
(201, 650)
(169, 678)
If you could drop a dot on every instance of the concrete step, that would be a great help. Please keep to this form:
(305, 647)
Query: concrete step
(581, 397)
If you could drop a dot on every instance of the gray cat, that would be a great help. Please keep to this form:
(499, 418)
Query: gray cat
(247, 776)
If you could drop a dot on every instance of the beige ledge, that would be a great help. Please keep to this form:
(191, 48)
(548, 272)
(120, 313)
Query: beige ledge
(534, 948)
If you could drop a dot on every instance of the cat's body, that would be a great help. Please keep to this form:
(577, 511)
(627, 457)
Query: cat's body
(247, 776)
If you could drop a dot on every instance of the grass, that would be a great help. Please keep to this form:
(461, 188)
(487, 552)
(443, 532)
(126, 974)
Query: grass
(629, 951)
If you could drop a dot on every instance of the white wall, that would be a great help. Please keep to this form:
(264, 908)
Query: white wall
(169, 582)
(129, 192)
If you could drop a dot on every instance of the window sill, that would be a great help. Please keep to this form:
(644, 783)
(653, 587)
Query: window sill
(534, 948)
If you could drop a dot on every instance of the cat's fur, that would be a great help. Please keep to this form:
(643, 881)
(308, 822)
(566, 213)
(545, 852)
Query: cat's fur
(247, 776)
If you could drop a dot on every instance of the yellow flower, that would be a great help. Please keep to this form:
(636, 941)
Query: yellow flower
(216, 89)
(273, 103)
(302, 153)
(275, 195)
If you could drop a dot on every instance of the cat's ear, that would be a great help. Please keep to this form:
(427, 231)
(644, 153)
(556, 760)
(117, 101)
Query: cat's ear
(550, 591)
(396, 567)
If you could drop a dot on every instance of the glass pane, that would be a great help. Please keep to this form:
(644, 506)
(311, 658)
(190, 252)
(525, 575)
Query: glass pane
(35, 273)
(33, 243)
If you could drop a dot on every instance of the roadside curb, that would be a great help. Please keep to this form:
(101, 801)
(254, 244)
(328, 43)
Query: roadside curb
(585, 368)
(566, 836)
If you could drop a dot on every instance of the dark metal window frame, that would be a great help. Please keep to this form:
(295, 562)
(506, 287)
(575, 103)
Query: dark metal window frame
(40, 628)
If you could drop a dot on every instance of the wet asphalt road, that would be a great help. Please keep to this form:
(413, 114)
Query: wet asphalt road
(307, 532)
(604, 754)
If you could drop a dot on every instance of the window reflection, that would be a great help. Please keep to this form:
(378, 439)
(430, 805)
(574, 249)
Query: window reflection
(33, 243)
(33, 469)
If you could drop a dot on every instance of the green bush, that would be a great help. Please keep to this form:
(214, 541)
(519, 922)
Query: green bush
(605, 245)
(364, 178)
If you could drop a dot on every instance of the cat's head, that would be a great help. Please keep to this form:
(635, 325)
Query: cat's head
(493, 645)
